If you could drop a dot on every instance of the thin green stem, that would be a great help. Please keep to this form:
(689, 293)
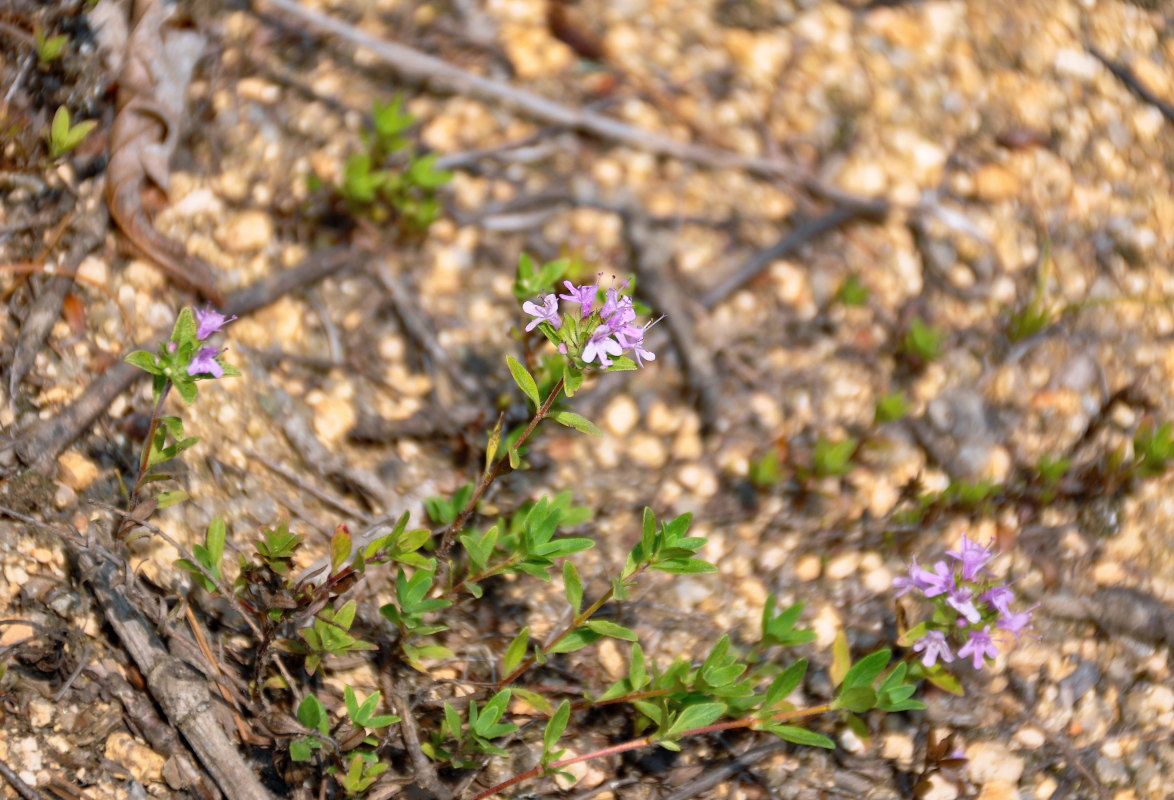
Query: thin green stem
(458, 524)
(645, 741)
(575, 623)
(144, 460)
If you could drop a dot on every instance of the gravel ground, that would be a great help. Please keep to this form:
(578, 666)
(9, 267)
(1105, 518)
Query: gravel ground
(1020, 169)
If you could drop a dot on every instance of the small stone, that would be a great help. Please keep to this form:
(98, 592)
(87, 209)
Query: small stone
(898, 747)
(994, 182)
(621, 416)
(333, 418)
(77, 471)
(94, 271)
(841, 567)
(850, 741)
(808, 567)
(64, 497)
(245, 232)
(647, 451)
(999, 790)
(258, 90)
(144, 763)
(577, 771)
(993, 761)
(1030, 737)
(662, 419)
(698, 479)
(612, 660)
(40, 713)
(16, 633)
(940, 788)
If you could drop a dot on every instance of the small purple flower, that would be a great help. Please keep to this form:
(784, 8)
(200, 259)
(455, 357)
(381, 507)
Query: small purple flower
(617, 309)
(934, 645)
(933, 582)
(583, 295)
(547, 312)
(1015, 623)
(641, 354)
(204, 363)
(600, 346)
(974, 557)
(209, 321)
(960, 598)
(980, 645)
(999, 598)
(907, 583)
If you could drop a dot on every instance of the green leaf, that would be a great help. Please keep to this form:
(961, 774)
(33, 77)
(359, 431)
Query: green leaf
(185, 328)
(494, 443)
(555, 726)
(575, 640)
(516, 651)
(313, 715)
(841, 658)
(606, 627)
(536, 700)
(852, 292)
(452, 721)
(913, 634)
(576, 421)
(340, 547)
(148, 362)
(186, 388)
(300, 750)
(572, 379)
(524, 380)
(637, 673)
(684, 566)
(857, 699)
(787, 681)
(167, 499)
(573, 586)
(512, 453)
(352, 704)
(696, 716)
(214, 541)
(802, 736)
(866, 670)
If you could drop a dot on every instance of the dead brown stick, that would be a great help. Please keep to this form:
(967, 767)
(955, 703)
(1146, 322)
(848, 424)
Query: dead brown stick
(419, 66)
(46, 309)
(1124, 74)
(23, 789)
(417, 329)
(181, 692)
(46, 440)
(802, 233)
(425, 771)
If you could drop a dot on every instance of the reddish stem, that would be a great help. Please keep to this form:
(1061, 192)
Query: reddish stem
(644, 741)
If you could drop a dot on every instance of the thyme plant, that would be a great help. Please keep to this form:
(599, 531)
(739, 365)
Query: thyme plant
(437, 574)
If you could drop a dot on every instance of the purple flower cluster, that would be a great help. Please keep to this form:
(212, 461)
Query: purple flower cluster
(968, 606)
(591, 336)
(208, 322)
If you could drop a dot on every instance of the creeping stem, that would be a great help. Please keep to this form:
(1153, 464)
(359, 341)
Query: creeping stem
(645, 741)
(457, 525)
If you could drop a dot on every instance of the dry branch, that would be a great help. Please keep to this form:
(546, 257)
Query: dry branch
(180, 690)
(40, 446)
(419, 66)
(46, 309)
